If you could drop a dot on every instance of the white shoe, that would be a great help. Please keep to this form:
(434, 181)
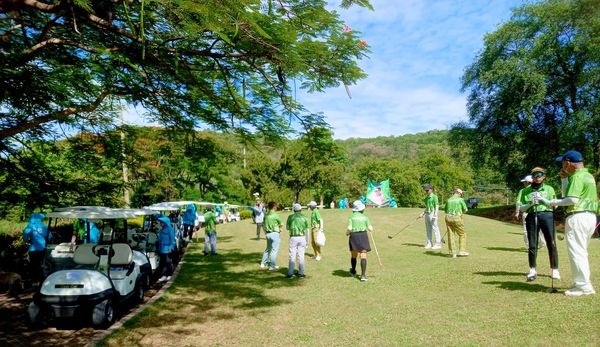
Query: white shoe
(532, 275)
(555, 274)
(168, 278)
(318, 257)
(427, 246)
(576, 291)
(436, 247)
(274, 268)
(162, 279)
(262, 266)
(463, 254)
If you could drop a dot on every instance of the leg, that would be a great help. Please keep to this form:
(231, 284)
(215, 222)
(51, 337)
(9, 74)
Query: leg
(267, 251)
(436, 232)
(316, 248)
(449, 231)
(292, 254)
(206, 243)
(525, 238)
(546, 222)
(459, 229)
(276, 238)
(301, 250)
(353, 255)
(428, 231)
(578, 230)
(532, 234)
(213, 242)
(363, 265)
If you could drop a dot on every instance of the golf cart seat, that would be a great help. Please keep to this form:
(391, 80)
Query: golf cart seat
(121, 263)
(84, 255)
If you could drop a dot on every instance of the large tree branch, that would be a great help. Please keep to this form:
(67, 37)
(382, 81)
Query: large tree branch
(9, 5)
(59, 115)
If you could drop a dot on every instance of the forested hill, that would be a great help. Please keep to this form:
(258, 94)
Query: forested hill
(406, 147)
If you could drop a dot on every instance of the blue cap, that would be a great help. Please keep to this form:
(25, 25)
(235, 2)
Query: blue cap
(572, 156)
(427, 187)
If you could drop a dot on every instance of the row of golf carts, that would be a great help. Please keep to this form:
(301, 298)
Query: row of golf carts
(95, 280)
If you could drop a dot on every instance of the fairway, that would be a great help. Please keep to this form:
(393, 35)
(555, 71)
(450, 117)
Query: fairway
(418, 297)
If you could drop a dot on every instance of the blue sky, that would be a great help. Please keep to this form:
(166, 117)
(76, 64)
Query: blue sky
(419, 50)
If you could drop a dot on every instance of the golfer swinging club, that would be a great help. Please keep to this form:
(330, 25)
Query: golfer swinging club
(358, 228)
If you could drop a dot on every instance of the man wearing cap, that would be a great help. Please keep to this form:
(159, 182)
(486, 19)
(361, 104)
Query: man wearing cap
(580, 196)
(539, 217)
(273, 227)
(526, 183)
(298, 226)
(455, 208)
(210, 231)
(316, 224)
(358, 228)
(430, 214)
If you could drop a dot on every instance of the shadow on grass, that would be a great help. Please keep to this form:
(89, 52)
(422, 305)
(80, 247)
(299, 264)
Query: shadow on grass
(499, 273)
(341, 273)
(522, 286)
(438, 254)
(210, 288)
(510, 232)
(506, 249)
(412, 244)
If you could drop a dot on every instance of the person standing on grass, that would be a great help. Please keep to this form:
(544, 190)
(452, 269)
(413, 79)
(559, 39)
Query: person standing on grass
(526, 183)
(316, 224)
(35, 234)
(581, 198)
(273, 226)
(210, 231)
(358, 228)
(166, 241)
(539, 217)
(455, 208)
(189, 219)
(298, 226)
(430, 214)
(258, 211)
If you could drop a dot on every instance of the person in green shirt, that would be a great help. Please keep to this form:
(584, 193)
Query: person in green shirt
(358, 228)
(273, 225)
(527, 180)
(430, 214)
(297, 225)
(581, 198)
(316, 224)
(455, 208)
(210, 231)
(539, 217)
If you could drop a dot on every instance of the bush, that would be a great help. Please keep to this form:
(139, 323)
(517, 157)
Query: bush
(245, 214)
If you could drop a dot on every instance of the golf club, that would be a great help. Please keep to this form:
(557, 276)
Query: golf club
(446, 233)
(376, 251)
(401, 230)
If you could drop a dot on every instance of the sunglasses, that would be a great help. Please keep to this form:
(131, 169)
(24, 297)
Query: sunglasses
(538, 175)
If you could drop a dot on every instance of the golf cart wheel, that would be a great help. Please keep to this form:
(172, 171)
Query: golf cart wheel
(146, 280)
(104, 314)
(139, 290)
(34, 315)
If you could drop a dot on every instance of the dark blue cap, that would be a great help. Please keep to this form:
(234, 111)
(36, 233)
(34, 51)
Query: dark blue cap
(572, 156)
(427, 187)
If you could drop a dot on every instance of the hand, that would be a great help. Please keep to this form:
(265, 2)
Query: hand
(535, 197)
(517, 215)
(544, 201)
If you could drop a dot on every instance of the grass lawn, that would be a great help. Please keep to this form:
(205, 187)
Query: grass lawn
(418, 297)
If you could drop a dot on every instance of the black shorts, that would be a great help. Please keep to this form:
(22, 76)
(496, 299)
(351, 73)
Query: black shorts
(359, 241)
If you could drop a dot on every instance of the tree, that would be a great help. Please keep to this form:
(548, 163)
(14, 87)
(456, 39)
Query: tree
(226, 64)
(533, 90)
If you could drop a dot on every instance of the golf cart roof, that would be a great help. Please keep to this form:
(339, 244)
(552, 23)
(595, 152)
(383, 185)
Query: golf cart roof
(82, 208)
(106, 213)
(138, 211)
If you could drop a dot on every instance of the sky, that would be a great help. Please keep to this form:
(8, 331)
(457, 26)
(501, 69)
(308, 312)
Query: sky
(419, 50)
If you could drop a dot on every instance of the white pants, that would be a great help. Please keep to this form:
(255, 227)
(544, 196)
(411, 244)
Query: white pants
(297, 247)
(579, 228)
(431, 227)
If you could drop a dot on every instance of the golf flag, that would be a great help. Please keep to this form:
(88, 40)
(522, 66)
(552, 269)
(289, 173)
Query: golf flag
(378, 194)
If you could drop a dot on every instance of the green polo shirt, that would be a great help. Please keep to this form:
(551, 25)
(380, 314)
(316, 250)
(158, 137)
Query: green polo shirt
(297, 223)
(455, 206)
(431, 201)
(272, 222)
(583, 186)
(358, 222)
(210, 222)
(544, 190)
(315, 218)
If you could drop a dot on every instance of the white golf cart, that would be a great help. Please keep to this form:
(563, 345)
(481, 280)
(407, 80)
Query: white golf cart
(144, 244)
(173, 211)
(103, 278)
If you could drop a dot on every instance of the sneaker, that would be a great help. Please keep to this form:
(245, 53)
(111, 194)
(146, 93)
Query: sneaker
(576, 291)
(205, 254)
(162, 279)
(532, 275)
(301, 276)
(463, 254)
(436, 247)
(363, 278)
(453, 255)
(168, 278)
(555, 275)
(318, 257)
(289, 276)
(273, 268)
(262, 266)
(352, 272)
(427, 246)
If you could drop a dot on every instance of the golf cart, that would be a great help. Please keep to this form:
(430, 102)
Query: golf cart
(172, 210)
(103, 278)
(472, 202)
(144, 244)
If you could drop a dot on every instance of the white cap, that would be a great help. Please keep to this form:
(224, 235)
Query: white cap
(459, 191)
(527, 179)
(297, 207)
(358, 206)
(312, 204)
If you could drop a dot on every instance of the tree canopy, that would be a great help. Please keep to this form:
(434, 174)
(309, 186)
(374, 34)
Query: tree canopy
(226, 64)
